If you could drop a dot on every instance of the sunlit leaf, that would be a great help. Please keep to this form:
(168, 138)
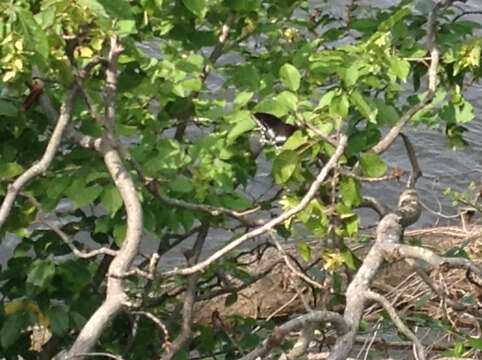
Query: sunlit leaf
(290, 77)
(305, 251)
(111, 199)
(372, 165)
(197, 7)
(284, 166)
(350, 192)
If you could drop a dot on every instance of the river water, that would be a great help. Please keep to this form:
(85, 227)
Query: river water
(442, 167)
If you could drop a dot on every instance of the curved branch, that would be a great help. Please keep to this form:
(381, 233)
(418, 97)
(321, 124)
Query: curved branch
(390, 137)
(43, 164)
(317, 318)
(115, 296)
(408, 251)
(397, 321)
(272, 223)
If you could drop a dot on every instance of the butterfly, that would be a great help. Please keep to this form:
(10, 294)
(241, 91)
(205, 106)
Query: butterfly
(273, 130)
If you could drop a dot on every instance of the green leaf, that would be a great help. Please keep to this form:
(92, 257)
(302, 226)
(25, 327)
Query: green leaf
(362, 106)
(82, 195)
(339, 105)
(326, 99)
(119, 9)
(475, 343)
(284, 166)
(12, 328)
(273, 107)
(464, 113)
(295, 141)
(35, 37)
(126, 27)
(290, 77)
(119, 234)
(288, 99)
(56, 188)
(181, 185)
(7, 108)
(95, 7)
(103, 225)
(10, 170)
(351, 224)
(372, 165)
(235, 201)
(111, 199)
(41, 272)
(197, 7)
(400, 68)
(305, 251)
(387, 114)
(351, 260)
(350, 192)
(242, 99)
(59, 320)
(352, 74)
(243, 123)
(231, 299)
(125, 130)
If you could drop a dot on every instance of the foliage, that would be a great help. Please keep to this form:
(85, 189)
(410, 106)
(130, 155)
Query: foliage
(280, 57)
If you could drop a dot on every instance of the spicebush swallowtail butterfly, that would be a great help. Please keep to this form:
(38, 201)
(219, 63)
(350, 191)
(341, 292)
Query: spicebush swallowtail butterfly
(273, 130)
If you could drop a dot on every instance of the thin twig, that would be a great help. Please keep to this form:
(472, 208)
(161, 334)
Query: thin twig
(390, 137)
(397, 321)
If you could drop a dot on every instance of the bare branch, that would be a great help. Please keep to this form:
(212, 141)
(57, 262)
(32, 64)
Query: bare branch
(397, 321)
(318, 318)
(389, 177)
(43, 164)
(390, 137)
(115, 296)
(213, 210)
(375, 204)
(184, 338)
(63, 236)
(297, 273)
(156, 321)
(107, 355)
(407, 251)
(272, 223)
(416, 172)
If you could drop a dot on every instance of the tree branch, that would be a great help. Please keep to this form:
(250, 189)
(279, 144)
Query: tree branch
(272, 223)
(184, 338)
(115, 296)
(43, 164)
(398, 322)
(390, 137)
(318, 318)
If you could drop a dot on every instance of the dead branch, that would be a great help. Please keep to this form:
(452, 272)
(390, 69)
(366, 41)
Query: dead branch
(420, 353)
(318, 318)
(408, 251)
(184, 338)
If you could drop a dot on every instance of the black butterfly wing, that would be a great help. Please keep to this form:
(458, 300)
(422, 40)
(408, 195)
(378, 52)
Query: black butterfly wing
(273, 129)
